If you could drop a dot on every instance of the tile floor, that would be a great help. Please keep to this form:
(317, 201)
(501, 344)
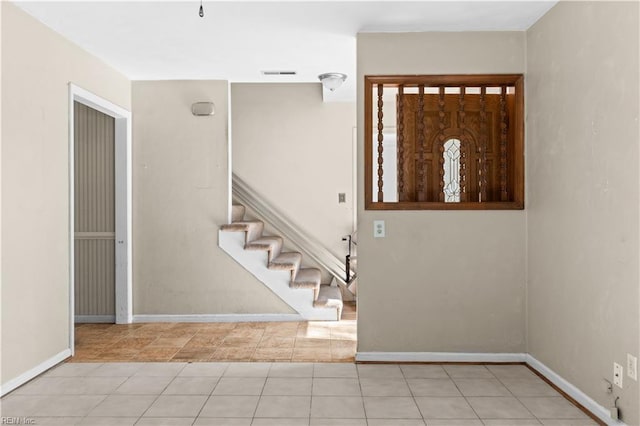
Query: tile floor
(288, 394)
(314, 341)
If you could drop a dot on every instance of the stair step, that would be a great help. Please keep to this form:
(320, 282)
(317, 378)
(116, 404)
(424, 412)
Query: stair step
(271, 244)
(329, 297)
(289, 261)
(237, 213)
(253, 228)
(308, 278)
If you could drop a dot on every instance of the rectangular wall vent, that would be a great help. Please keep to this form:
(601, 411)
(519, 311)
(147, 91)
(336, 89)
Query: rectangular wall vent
(279, 72)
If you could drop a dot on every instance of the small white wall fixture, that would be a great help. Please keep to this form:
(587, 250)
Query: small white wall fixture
(123, 204)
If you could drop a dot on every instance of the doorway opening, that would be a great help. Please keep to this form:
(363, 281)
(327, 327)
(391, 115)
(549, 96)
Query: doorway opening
(100, 214)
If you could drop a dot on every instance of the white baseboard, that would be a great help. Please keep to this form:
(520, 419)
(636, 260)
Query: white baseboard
(581, 398)
(218, 318)
(95, 319)
(35, 371)
(439, 357)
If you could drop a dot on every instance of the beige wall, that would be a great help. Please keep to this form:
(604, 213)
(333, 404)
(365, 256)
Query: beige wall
(37, 65)
(297, 152)
(582, 158)
(181, 198)
(420, 289)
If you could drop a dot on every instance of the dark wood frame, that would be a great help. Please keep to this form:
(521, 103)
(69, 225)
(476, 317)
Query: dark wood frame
(475, 80)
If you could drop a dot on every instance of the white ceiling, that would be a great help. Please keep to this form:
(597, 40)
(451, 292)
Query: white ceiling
(236, 40)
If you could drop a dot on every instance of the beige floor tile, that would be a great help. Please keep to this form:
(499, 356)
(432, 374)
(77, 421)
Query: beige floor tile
(165, 421)
(482, 387)
(488, 407)
(338, 422)
(281, 422)
(468, 372)
(380, 386)
(335, 370)
(176, 406)
(334, 386)
(385, 407)
(43, 386)
(91, 385)
(433, 387)
(454, 422)
(207, 421)
(21, 405)
(239, 386)
(424, 372)
(445, 408)
(254, 369)
(154, 369)
(286, 369)
(512, 371)
(107, 421)
(71, 405)
(122, 369)
(340, 407)
(72, 370)
(208, 369)
(123, 406)
(511, 422)
(552, 408)
(230, 406)
(380, 370)
(529, 387)
(58, 421)
(568, 422)
(144, 385)
(284, 406)
(191, 386)
(288, 386)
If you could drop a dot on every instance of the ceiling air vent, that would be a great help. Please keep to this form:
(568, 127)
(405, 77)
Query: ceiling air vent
(279, 72)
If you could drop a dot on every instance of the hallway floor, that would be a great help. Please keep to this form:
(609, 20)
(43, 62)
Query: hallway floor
(312, 341)
(289, 394)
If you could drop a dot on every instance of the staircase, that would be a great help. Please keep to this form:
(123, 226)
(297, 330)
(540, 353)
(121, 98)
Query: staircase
(281, 271)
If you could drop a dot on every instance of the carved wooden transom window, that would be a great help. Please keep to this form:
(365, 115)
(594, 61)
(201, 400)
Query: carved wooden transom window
(444, 142)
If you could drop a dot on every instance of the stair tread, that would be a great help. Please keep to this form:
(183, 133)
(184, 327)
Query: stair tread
(329, 296)
(287, 260)
(264, 243)
(242, 225)
(311, 276)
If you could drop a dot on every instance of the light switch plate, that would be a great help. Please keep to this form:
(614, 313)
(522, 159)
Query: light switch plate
(378, 229)
(632, 367)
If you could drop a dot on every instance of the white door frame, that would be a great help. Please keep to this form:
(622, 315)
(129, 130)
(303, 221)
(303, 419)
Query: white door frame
(123, 204)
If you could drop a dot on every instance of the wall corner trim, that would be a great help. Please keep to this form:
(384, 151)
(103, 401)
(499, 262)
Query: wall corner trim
(35, 371)
(581, 398)
(439, 357)
(218, 318)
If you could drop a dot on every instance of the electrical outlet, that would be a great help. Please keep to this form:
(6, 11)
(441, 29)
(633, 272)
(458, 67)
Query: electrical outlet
(378, 229)
(617, 374)
(632, 367)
